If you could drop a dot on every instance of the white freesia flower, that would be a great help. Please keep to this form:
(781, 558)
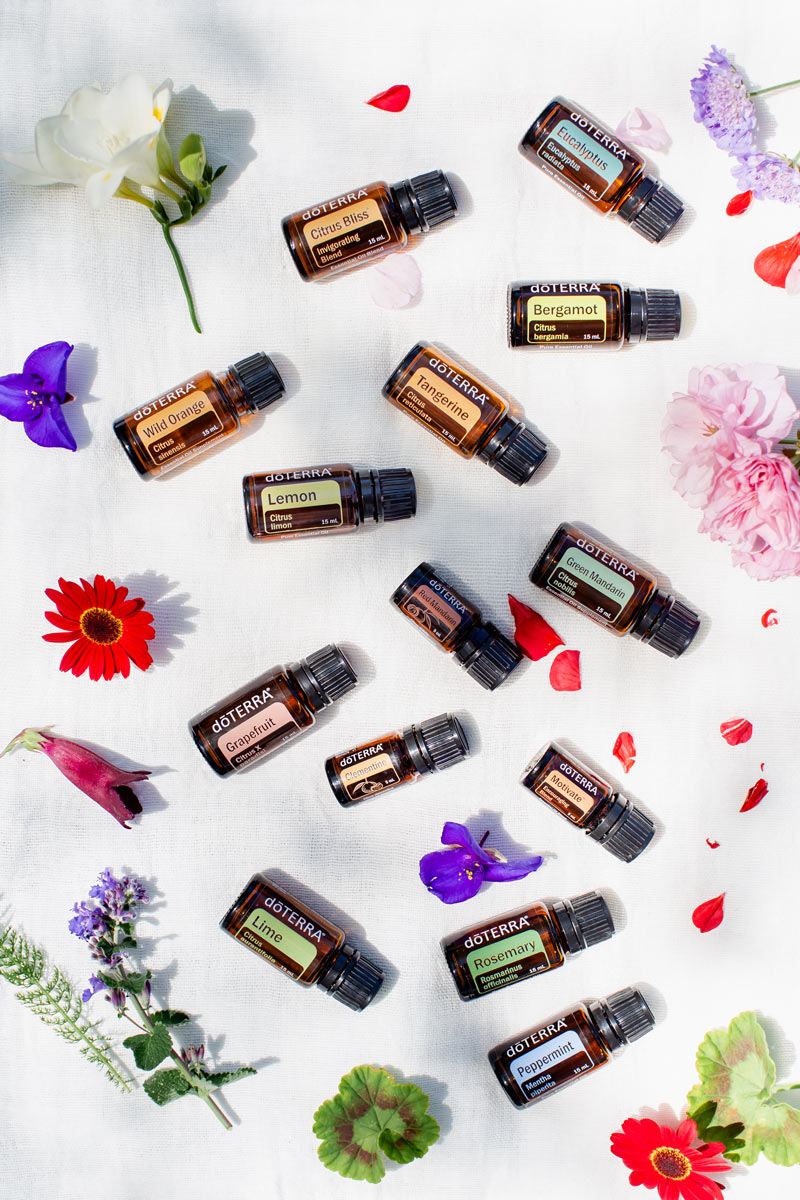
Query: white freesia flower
(98, 140)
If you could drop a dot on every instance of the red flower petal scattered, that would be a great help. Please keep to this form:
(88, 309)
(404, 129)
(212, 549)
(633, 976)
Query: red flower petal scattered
(712, 845)
(770, 617)
(756, 794)
(708, 916)
(658, 1156)
(532, 634)
(625, 751)
(107, 631)
(736, 731)
(774, 263)
(565, 671)
(739, 204)
(394, 99)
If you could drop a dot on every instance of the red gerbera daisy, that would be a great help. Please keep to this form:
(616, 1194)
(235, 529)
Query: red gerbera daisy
(660, 1157)
(106, 629)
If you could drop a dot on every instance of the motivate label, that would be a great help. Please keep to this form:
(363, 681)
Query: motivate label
(576, 157)
(590, 585)
(574, 797)
(507, 961)
(564, 319)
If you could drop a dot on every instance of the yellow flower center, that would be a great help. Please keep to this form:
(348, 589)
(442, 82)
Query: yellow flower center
(101, 626)
(671, 1163)
(158, 114)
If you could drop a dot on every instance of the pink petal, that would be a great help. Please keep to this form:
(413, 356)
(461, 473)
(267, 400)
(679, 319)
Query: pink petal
(95, 776)
(774, 262)
(708, 916)
(739, 204)
(770, 617)
(532, 634)
(755, 795)
(625, 751)
(792, 283)
(712, 845)
(394, 99)
(736, 731)
(565, 671)
(643, 129)
(395, 281)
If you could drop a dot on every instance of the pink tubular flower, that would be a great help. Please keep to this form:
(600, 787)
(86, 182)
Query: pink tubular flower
(754, 505)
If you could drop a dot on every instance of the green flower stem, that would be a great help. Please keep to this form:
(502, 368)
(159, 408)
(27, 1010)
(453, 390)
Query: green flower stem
(128, 193)
(776, 87)
(106, 1061)
(175, 178)
(165, 229)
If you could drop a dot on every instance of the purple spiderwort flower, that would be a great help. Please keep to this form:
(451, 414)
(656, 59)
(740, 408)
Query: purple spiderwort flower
(95, 985)
(36, 395)
(722, 104)
(457, 873)
(769, 177)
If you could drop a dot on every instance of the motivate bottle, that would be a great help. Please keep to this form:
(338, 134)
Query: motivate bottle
(493, 955)
(198, 414)
(305, 501)
(298, 941)
(592, 162)
(446, 396)
(545, 1060)
(590, 314)
(396, 758)
(270, 711)
(588, 801)
(615, 591)
(366, 223)
(457, 626)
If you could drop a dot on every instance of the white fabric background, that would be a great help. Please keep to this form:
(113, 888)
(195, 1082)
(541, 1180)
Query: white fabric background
(277, 91)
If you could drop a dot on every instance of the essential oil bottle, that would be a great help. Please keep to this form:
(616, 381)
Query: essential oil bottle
(448, 397)
(366, 223)
(558, 313)
(258, 719)
(592, 162)
(305, 501)
(590, 574)
(545, 1059)
(396, 758)
(588, 801)
(456, 626)
(298, 941)
(198, 414)
(508, 949)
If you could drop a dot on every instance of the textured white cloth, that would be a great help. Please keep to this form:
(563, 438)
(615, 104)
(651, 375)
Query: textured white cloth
(278, 93)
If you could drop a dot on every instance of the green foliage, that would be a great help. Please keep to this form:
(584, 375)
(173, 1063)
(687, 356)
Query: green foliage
(192, 158)
(372, 1114)
(51, 997)
(169, 1016)
(728, 1135)
(218, 1079)
(164, 1086)
(133, 982)
(149, 1049)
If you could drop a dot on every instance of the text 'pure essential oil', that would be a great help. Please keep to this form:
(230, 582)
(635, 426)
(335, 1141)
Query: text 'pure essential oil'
(197, 415)
(592, 162)
(559, 313)
(304, 501)
(614, 590)
(258, 719)
(366, 223)
(298, 941)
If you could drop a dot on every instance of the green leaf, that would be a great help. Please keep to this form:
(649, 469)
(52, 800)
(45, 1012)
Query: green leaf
(738, 1075)
(164, 1086)
(169, 1016)
(371, 1113)
(224, 167)
(134, 982)
(728, 1135)
(164, 158)
(192, 157)
(219, 1078)
(149, 1049)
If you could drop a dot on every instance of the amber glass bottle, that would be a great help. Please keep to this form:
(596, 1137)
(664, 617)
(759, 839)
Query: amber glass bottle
(300, 942)
(451, 400)
(259, 718)
(396, 758)
(508, 949)
(588, 801)
(556, 313)
(592, 162)
(304, 501)
(546, 1059)
(198, 414)
(457, 626)
(364, 224)
(614, 590)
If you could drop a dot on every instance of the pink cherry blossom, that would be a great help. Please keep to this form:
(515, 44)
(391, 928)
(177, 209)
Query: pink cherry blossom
(643, 128)
(754, 506)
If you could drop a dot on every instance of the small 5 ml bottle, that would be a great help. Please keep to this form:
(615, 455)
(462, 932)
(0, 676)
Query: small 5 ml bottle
(588, 801)
(396, 758)
(305, 501)
(265, 714)
(198, 414)
(298, 941)
(457, 626)
(590, 314)
(548, 1058)
(614, 590)
(592, 162)
(446, 396)
(508, 949)
(366, 223)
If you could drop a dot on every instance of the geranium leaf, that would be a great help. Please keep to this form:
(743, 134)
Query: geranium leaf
(371, 1115)
(169, 1016)
(164, 1086)
(728, 1135)
(192, 157)
(218, 1079)
(149, 1049)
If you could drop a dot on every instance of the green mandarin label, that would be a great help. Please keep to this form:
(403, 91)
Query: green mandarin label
(581, 577)
(266, 934)
(500, 963)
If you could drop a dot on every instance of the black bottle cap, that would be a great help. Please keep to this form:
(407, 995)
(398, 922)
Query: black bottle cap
(667, 624)
(651, 209)
(488, 656)
(327, 675)
(514, 450)
(260, 380)
(388, 495)
(655, 315)
(404, 363)
(584, 920)
(624, 830)
(351, 978)
(437, 743)
(629, 1015)
(425, 201)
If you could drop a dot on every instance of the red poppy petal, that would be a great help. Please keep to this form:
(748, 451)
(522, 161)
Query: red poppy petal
(739, 204)
(712, 845)
(709, 915)
(736, 731)
(625, 751)
(774, 263)
(62, 622)
(61, 637)
(65, 604)
(394, 99)
(755, 795)
(532, 634)
(770, 617)
(565, 671)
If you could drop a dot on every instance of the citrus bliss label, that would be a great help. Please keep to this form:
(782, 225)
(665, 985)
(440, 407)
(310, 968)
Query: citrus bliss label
(290, 507)
(189, 421)
(572, 152)
(599, 589)
(349, 232)
(508, 960)
(268, 936)
(566, 319)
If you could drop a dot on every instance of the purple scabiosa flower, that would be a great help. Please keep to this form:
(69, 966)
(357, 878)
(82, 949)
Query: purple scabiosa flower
(722, 104)
(768, 177)
(457, 873)
(36, 395)
(119, 898)
(88, 922)
(95, 985)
